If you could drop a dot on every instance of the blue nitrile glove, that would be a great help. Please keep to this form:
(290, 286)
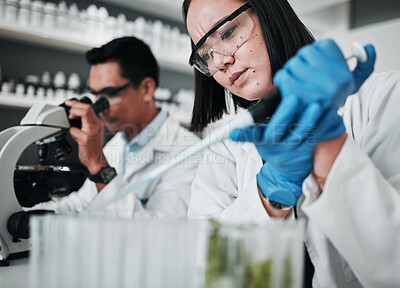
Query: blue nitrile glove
(289, 161)
(318, 73)
(363, 70)
(313, 84)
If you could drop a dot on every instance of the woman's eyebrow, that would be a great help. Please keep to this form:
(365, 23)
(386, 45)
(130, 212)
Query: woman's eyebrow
(219, 21)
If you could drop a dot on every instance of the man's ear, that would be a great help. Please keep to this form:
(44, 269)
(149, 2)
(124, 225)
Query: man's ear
(147, 88)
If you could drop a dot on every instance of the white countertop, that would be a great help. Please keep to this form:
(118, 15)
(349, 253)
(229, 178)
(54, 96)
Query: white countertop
(16, 275)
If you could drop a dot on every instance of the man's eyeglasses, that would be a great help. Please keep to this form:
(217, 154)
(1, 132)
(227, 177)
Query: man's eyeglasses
(111, 92)
(224, 39)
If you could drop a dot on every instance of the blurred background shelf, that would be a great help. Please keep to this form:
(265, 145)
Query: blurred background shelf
(74, 42)
(16, 101)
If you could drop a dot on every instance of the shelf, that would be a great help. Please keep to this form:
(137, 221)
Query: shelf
(73, 41)
(24, 102)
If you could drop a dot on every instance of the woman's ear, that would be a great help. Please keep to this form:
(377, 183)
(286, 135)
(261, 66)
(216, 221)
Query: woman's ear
(147, 88)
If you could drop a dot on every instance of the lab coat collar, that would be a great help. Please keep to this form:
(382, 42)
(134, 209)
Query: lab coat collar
(251, 150)
(161, 143)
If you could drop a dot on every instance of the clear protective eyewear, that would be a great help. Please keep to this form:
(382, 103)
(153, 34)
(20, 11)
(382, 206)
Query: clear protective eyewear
(224, 39)
(111, 93)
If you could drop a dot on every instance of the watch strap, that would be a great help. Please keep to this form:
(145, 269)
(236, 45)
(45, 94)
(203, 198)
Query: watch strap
(105, 175)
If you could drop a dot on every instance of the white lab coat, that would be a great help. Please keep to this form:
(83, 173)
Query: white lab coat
(359, 209)
(168, 195)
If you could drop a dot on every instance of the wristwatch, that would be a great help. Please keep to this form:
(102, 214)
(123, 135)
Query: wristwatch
(105, 175)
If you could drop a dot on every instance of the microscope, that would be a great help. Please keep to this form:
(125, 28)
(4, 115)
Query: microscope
(46, 126)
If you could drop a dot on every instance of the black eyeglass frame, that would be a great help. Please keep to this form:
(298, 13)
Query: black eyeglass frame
(203, 39)
(111, 91)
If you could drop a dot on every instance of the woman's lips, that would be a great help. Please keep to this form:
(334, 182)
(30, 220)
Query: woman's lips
(238, 78)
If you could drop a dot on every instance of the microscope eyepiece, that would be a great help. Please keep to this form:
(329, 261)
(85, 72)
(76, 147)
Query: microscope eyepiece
(58, 143)
(99, 106)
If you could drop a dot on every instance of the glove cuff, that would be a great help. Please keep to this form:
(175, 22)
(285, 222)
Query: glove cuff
(279, 190)
(335, 128)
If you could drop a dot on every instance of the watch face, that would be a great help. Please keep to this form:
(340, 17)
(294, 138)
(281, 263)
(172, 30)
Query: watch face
(108, 174)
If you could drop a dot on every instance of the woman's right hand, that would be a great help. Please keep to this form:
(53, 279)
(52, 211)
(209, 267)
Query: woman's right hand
(288, 160)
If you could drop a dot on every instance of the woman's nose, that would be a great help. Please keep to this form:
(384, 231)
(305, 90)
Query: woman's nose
(222, 61)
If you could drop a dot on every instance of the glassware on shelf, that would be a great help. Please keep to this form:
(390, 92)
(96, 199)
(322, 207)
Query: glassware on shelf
(111, 24)
(59, 83)
(185, 47)
(20, 90)
(10, 11)
(93, 27)
(73, 18)
(73, 85)
(62, 16)
(174, 42)
(120, 26)
(101, 18)
(45, 82)
(156, 45)
(140, 23)
(130, 29)
(36, 14)
(2, 4)
(45, 79)
(40, 93)
(24, 13)
(49, 18)
(6, 87)
(90, 18)
(31, 82)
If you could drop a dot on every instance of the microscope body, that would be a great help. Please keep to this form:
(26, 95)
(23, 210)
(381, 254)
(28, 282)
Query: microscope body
(41, 122)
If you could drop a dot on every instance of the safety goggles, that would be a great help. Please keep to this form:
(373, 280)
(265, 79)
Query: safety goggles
(224, 39)
(111, 93)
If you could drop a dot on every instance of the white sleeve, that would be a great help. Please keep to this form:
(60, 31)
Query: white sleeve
(359, 208)
(216, 191)
(170, 197)
(74, 202)
(82, 201)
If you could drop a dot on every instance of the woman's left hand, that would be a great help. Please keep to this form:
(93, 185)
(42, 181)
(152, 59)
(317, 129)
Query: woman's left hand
(318, 73)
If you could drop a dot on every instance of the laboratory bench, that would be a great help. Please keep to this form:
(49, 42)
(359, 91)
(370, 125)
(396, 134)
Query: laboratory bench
(16, 275)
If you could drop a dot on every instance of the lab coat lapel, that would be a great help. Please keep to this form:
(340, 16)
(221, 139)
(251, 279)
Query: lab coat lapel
(251, 150)
(161, 143)
(141, 160)
(114, 153)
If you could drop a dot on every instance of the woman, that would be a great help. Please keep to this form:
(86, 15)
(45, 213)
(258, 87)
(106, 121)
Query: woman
(352, 193)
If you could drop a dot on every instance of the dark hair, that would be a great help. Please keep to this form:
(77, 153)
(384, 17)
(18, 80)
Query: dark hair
(133, 56)
(284, 35)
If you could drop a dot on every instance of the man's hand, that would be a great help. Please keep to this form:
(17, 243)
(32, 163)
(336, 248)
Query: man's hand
(89, 138)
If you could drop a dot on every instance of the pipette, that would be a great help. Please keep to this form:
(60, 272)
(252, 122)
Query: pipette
(358, 52)
(261, 111)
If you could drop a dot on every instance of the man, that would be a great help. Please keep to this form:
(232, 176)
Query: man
(126, 73)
